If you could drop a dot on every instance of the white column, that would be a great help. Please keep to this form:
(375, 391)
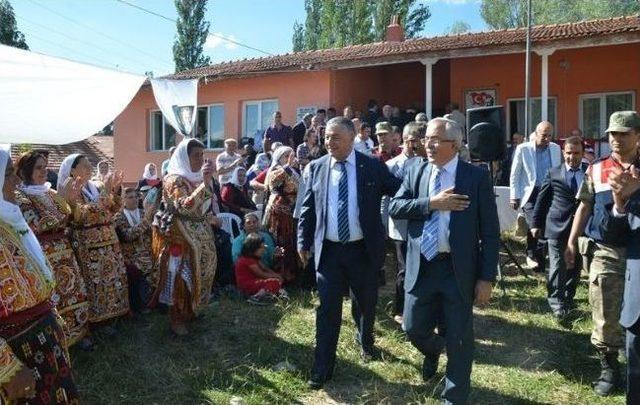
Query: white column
(428, 86)
(544, 81)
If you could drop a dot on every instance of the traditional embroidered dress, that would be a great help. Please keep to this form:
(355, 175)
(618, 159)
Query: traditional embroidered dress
(98, 251)
(186, 252)
(134, 232)
(48, 217)
(31, 334)
(282, 183)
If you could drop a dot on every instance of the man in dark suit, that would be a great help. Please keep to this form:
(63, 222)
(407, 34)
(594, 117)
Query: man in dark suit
(340, 221)
(505, 165)
(300, 129)
(452, 253)
(553, 215)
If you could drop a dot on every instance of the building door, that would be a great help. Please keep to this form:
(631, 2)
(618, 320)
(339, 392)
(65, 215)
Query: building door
(515, 115)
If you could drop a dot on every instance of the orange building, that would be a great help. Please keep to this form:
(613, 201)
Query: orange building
(580, 73)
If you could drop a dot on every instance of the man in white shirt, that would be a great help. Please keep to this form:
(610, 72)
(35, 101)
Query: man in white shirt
(412, 134)
(227, 161)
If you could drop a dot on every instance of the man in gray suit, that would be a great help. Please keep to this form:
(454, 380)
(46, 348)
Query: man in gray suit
(452, 253)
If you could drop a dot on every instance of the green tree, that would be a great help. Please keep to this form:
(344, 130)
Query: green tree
(458, 27)
(192, 32)
(312, 27)
(9, 34)
(500, 14)
(337, 23)
(298, 37)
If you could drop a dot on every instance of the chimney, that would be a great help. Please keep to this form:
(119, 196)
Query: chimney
(394, 33)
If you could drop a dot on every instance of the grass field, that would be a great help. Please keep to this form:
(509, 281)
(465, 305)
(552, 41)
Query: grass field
(261, 355)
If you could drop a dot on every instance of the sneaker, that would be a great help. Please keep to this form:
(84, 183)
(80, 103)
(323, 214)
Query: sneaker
(398, 319)
(283, 295)
(262, 298)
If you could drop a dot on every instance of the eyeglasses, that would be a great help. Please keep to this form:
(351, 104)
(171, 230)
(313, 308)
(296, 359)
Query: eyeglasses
(435, 141)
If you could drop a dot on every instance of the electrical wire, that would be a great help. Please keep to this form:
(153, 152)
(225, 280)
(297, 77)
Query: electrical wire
(210, 34)
(92, 29)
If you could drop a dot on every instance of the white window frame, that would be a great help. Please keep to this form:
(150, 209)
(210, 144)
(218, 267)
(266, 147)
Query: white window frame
(208, 106)
(259, 104)
(604, 120)
(508, 113)
(164, 123)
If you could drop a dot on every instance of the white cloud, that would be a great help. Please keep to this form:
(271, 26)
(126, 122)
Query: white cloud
(218, 39)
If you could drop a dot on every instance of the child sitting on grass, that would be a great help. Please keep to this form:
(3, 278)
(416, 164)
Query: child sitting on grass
(255, 279)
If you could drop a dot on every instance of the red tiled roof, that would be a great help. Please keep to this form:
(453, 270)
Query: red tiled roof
(95, 148)
(388, 51)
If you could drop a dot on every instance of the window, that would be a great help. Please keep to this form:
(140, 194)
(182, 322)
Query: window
(257, 116)
(209, 128)
(515, 120)
(595, 110)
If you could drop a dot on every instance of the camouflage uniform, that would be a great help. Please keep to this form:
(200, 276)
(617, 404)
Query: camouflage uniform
(605, 262)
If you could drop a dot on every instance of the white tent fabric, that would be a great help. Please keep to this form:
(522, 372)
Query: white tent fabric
(172, 96)
(56, 101)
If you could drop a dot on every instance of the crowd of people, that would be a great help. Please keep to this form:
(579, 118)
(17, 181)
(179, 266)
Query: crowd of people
(318, 205)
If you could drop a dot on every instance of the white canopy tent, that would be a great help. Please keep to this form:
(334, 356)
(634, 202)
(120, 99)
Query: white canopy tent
(56, 101)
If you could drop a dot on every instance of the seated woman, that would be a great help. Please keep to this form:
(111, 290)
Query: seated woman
(254, 278)
(34, 362)
(149, 177)
(309, 149)
(235, 195)
(49, 216)
(252, 225)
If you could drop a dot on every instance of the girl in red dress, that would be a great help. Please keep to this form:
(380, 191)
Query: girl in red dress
(252, 277)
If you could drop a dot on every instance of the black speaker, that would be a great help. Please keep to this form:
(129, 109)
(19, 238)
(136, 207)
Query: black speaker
(486, 133)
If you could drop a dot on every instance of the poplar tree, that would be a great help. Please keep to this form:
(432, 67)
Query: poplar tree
(191, 33)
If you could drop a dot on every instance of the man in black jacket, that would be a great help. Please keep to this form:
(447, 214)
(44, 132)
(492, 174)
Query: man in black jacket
(552, 217)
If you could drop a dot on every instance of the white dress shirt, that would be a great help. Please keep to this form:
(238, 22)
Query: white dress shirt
(355, 231)
(447, 180)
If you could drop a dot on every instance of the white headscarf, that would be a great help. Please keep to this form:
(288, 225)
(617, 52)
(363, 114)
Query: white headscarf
(11, 215)
(277, 155)
(234, 177)
(89, 190)
(262, 162)
(36, 189)
(147, 172)
(179, 163)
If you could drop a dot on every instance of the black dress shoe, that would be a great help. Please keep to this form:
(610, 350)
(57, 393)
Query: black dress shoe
(430, 366)
(316, 382)
(370, 355)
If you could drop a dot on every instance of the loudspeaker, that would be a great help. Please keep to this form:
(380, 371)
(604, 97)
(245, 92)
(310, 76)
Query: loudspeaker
(486, 133)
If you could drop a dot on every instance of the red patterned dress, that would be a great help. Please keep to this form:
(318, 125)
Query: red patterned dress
(98, 251)
(48, 217)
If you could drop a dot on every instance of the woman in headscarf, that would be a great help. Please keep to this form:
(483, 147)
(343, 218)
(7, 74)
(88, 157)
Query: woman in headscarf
(34, 362)
(102, 172)
(282, 184)
(235, 195)
(150, 177)
(262, 163)
(183, 241)
(48, 215)
(95, 240)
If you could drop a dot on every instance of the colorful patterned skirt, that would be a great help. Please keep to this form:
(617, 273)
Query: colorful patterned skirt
(280, 222)
(40, 345)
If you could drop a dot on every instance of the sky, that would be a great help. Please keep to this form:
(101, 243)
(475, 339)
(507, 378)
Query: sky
(115, 35)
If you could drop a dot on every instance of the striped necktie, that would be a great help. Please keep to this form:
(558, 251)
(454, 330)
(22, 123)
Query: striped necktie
(429, 242)
(343, 204)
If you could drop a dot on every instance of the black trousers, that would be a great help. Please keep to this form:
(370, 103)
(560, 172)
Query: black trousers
(224, 273)
(535, 246)
(401, 256)
(341, 266)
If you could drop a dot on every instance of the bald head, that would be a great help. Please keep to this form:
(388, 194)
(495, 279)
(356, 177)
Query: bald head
(544, 134)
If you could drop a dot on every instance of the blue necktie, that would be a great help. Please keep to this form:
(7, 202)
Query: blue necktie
(429, 242)
(574, 182)
(343, 204)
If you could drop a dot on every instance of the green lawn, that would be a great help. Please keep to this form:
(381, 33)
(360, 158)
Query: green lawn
(522, 357)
